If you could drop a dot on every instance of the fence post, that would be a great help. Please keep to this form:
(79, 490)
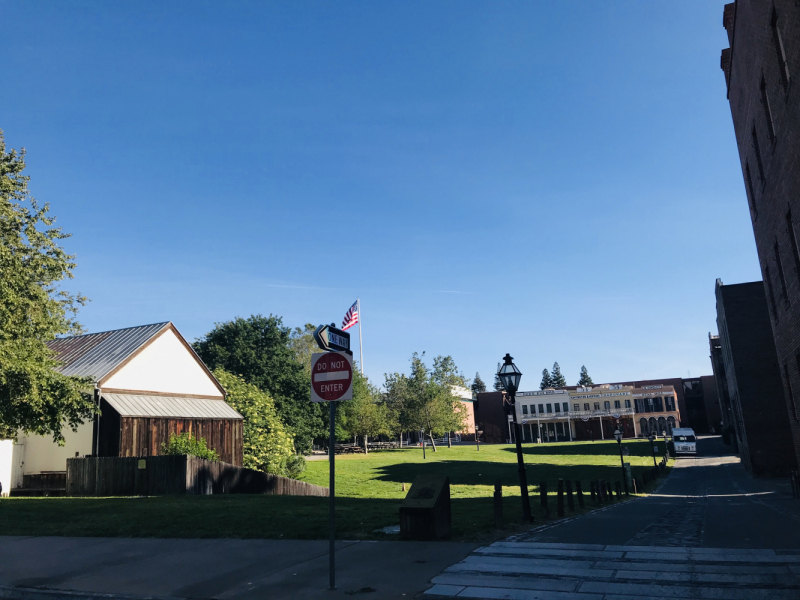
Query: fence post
(618, 486)
(593, 492)
(570, 499)
(560, 498)
(543, 495)
(580, 493)
(498, 504)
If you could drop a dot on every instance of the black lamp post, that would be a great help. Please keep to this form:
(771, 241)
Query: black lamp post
(652, 439)
(618, 435)
(478, 434)
(509, 376)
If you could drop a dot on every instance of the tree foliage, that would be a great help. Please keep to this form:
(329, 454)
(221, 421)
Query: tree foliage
(585, 379)
(303, 345)
(259, 349)
(556, 378)
(367, 414)
(547, 381)
(268, 446)
(34, 309)
(186, 445)
(425, 398)
(498, 385)
(478, 387)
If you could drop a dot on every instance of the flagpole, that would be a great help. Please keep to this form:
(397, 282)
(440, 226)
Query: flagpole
(360, 343)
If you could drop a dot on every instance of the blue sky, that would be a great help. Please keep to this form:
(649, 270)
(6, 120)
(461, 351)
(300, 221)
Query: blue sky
(557, 180)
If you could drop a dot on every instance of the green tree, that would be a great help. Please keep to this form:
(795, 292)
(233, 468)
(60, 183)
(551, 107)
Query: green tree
(547, 381)
(556, 378)
(268, 446)
(498, 385)
(34, 309)
(186, 445)
(478, 387)
(303, 345)
(259, 350)
(366, 415)
(585, 379)
(425, 399)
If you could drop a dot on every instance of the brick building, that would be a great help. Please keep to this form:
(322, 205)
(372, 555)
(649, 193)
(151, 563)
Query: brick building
(750, 368)
(720, 376)
(762, 68)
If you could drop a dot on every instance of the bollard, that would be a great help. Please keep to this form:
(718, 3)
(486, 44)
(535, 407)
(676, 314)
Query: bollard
(618, 485)
(580, 493)
(570, 499)
(560, 498)
(543, 496)
(607, 493)
(633, 481)
(601, 497)
(593, 492)
(498, 504)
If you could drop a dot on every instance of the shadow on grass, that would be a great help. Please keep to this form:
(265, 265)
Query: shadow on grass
(598, 448)
(464, 472)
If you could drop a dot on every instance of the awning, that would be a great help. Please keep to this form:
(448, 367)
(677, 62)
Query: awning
(170, 407)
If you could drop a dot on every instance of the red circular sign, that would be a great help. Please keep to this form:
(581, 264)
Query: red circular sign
(331, 376)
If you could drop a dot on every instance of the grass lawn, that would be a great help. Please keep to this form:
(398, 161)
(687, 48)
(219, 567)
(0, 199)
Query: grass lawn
(368, 489)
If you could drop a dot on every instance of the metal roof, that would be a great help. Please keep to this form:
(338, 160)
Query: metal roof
(95, 355)
(171, 407)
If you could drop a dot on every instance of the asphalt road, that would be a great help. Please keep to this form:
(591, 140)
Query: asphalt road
(710, 531)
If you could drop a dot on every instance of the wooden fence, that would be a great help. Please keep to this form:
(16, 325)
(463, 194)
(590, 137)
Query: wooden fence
(162, 475)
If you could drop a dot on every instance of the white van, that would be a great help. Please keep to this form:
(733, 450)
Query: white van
(684, 440)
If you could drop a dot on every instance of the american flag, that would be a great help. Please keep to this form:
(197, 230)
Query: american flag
(351, 316)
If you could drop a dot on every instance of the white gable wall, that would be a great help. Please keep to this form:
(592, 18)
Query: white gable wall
(165, 366)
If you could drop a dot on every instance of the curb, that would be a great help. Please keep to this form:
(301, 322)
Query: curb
(11, 592)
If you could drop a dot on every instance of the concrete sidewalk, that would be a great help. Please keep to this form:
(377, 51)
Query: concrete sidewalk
(224, 568)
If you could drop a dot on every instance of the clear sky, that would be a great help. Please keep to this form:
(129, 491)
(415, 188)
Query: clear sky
(557, 180)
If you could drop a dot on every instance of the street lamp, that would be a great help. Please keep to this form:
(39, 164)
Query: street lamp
(652, 438)
(618, 435)
(509, 376)
(478, 434)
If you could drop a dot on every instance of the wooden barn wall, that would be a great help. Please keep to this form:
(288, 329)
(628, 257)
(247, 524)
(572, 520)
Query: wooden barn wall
(143, 436)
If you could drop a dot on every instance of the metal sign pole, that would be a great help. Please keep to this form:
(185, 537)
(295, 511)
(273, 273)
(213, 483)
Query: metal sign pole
(332, 466)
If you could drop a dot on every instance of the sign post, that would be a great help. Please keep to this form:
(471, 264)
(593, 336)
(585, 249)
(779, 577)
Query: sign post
(331, 380)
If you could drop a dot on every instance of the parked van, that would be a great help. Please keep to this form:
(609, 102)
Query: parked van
(684, 441)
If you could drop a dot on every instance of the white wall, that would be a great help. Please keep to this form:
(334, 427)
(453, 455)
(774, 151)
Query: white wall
(164, 366)
(42, 454)
(6, 460)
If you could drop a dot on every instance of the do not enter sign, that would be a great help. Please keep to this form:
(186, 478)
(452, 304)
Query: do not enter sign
(331, 376)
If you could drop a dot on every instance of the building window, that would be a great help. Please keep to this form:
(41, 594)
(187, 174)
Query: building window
(558, 407)
(541, 408)
(793, 240)
(549, 408)
(607, 405)
(577, 407)
(649, 402)
(586, 406)
(781, 276)
(524, 409)
(670, 402)
(748, 178)
(791, 391)
(658, 404)
(780, 51)
(771, 295)
(759, 162)
(627, 403)
(617, 404)
(566, 406)
(767, 110)
(597, 406)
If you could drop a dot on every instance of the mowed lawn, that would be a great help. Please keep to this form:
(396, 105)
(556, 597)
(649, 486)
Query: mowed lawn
(369, 490)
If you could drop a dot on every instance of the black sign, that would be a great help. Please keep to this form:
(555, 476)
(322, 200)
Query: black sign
(331, 339)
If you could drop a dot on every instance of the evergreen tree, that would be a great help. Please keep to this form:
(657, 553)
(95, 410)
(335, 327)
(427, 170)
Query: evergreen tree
(498, 386)
(585, 379)
(478, 387)
(547, 381)
(557, 379)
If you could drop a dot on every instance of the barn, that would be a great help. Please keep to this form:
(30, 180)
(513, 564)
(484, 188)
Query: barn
(149, 385)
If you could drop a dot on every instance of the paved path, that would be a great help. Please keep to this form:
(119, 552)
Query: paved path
(709, 532)
(223, 568)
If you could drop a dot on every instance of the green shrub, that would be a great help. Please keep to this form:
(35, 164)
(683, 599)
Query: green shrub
(185, 445)
(295, 465)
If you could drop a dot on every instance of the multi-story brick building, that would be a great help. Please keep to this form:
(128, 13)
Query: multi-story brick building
(749, 365)
(720, 376)
(762, 69)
